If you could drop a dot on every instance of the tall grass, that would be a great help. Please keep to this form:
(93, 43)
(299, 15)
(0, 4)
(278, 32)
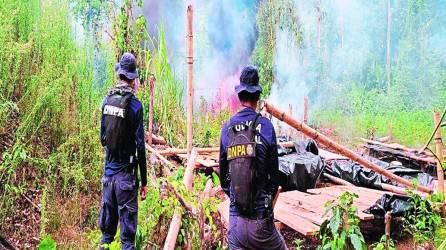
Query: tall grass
(48, 77)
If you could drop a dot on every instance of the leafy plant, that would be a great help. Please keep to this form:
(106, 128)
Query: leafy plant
(298, 244)
(342, 230)
(47, 243)
(425, 218)
(382, 245)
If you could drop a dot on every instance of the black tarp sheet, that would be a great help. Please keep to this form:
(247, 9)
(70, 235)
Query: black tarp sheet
(397, 205)
(364, 177)
(301, 167)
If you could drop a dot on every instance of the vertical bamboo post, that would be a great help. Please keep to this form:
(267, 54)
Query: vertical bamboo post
(387, 221)
(150, 120)
(190, 90)
(439, 153)
(389, 20)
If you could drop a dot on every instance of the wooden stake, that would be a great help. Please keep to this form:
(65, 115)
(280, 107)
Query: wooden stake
(190, 90)
(189, 173)
(329, 143)
(150, 122)
(439, 153)
(387, 221)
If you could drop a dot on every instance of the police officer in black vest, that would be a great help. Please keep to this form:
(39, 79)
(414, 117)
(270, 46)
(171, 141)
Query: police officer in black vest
(249, 171)
(122, 135)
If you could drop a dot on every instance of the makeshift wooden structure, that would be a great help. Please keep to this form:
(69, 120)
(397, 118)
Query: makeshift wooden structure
(329, 143)
(304, 212)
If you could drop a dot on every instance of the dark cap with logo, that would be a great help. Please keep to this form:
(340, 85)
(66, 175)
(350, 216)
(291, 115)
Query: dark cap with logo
(249, 80)
(127, 66)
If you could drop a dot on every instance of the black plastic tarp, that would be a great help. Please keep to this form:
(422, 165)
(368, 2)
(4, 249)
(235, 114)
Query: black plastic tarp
(301, 168)
(397, 205)
(364, 177)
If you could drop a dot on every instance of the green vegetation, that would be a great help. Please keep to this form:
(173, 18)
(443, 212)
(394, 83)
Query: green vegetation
(342, 230)
(425, 219)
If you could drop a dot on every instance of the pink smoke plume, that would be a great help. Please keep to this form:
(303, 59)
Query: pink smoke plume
(226, 98)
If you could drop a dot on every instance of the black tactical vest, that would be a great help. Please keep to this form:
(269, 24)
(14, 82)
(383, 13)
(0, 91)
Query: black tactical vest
(241, 154)
(117, 129)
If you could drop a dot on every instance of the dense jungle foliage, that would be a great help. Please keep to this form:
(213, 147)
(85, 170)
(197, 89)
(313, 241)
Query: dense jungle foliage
(57, 61)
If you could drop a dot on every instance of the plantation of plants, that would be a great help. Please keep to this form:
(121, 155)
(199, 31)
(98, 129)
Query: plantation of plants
(366, 69)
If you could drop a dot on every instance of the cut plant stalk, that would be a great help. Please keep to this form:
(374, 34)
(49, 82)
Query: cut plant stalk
(324, 140)
(150, 120)
(439, 154)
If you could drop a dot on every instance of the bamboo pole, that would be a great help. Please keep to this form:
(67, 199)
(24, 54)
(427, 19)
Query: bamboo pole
(150, 122)
(387, 221)
(172, 234)
(439, 153)
(337, 180)
(189, 173)
(190, 90)
(324, 140)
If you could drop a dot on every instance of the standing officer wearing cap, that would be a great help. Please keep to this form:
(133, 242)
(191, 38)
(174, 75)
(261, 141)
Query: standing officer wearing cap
(122, 135)
(249, 171)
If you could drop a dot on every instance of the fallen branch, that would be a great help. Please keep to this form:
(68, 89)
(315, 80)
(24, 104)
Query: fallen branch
(180, 198)
(337, 180)
(156, 139)
(172, 234)
(167, 165)
(324, 140)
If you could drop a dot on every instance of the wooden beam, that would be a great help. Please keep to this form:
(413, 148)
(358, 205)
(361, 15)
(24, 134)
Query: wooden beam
(439, 153)
(329, 143)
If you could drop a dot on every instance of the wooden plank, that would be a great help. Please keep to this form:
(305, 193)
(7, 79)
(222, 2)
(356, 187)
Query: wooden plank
(315, 203)
(297, 223)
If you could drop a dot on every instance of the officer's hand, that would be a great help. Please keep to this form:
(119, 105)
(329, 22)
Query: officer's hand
(143, 192)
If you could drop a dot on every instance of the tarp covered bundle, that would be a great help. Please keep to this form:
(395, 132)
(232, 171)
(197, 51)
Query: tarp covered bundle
(301, 167)
(360, 176)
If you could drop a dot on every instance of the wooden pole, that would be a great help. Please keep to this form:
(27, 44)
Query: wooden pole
(172, 234)
(189, 173)
(150, 122)
(387, 221)
(329, 143)
(439, 153)
(290, 113)
(190, 90)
